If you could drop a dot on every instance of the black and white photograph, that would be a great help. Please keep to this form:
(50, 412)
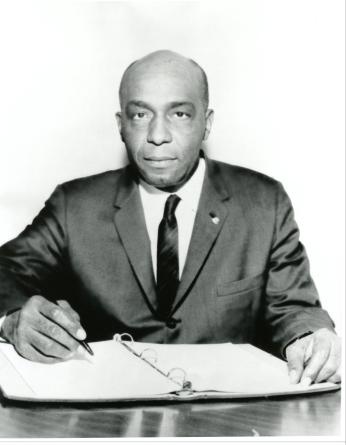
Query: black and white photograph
(172, 220)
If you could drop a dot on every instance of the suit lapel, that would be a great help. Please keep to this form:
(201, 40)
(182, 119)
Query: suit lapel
(211, 215)
(130, 224)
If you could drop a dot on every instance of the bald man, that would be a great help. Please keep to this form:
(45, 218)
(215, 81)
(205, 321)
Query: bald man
(173, 248)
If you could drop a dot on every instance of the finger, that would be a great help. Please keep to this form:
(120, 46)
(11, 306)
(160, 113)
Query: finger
(48, 346)
(55, 333)
(295, 354)
(58, 315)
(68, 309)
(335, 378)
(31, 353)
(332, 364)
(320, 354)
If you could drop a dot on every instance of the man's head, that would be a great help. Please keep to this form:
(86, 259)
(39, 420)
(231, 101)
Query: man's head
(164, 117)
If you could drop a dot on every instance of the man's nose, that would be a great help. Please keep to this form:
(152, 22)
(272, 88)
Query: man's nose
(159, 133)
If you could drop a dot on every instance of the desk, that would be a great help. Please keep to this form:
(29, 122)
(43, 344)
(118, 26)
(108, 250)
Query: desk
(309, 415)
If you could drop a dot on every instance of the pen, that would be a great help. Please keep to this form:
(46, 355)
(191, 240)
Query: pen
(86, 347)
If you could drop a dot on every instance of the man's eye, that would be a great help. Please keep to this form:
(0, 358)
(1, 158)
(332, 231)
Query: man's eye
(138, 116)
(181, 115)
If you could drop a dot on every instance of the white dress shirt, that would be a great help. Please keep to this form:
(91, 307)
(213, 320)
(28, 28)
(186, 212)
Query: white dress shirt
(154, 200)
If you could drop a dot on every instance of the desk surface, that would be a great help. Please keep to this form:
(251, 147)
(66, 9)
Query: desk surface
(309, 415)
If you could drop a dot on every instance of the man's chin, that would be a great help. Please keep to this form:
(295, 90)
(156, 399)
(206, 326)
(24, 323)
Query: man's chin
(161, 182)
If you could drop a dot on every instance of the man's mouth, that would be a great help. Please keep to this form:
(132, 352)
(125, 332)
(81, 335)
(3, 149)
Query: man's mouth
(160, 161)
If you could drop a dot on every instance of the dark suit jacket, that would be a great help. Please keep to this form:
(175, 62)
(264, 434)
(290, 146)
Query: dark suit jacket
(246, 277)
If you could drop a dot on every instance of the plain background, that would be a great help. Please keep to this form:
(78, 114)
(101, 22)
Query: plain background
(276, 73)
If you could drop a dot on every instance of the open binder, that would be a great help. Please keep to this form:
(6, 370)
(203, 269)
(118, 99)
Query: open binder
(124, 370)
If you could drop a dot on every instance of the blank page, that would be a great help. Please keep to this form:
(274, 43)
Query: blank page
(112, 373)
(224, 367)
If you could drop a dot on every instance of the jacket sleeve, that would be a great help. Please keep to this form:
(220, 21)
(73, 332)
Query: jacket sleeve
(31, 263)
(293, 306)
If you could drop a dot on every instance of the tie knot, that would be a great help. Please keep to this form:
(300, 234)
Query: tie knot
(170, 206)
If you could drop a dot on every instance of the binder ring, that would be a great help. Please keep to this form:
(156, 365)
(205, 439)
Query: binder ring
(116, 337)
(149, 355)
(126, 337)
(123, 337)
(178, 375)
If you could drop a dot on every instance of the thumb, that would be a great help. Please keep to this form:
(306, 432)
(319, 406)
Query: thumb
(295, 354)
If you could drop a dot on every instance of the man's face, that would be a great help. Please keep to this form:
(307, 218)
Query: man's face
(163, 122)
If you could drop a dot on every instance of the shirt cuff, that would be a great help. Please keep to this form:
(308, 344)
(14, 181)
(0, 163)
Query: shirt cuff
(2, 319)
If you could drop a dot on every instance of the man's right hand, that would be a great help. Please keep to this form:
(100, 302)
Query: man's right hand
(43, 331)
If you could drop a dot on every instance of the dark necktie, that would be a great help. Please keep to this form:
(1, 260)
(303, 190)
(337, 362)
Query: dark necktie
(167, 258)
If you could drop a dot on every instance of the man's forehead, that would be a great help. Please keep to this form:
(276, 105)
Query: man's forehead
(160, 85)
(162, 78)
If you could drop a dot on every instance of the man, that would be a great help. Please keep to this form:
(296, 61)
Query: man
(174, 248)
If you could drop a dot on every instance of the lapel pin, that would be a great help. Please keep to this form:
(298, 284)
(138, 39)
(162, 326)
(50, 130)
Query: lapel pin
(214, 218)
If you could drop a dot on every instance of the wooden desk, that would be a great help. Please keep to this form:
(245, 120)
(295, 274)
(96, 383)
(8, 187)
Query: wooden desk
(312, 415)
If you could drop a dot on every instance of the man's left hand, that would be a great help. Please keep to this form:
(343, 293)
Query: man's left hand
(315, 358)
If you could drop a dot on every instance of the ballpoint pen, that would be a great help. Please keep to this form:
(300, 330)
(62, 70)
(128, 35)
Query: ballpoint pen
(86, 347)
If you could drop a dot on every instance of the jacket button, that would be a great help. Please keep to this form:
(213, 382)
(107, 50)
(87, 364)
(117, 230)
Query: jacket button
(172, 323)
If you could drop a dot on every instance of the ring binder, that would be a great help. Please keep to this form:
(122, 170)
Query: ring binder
(123, 370)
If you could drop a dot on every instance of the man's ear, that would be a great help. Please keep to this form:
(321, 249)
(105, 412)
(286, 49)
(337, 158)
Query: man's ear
(119, 123)
(209, 117)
